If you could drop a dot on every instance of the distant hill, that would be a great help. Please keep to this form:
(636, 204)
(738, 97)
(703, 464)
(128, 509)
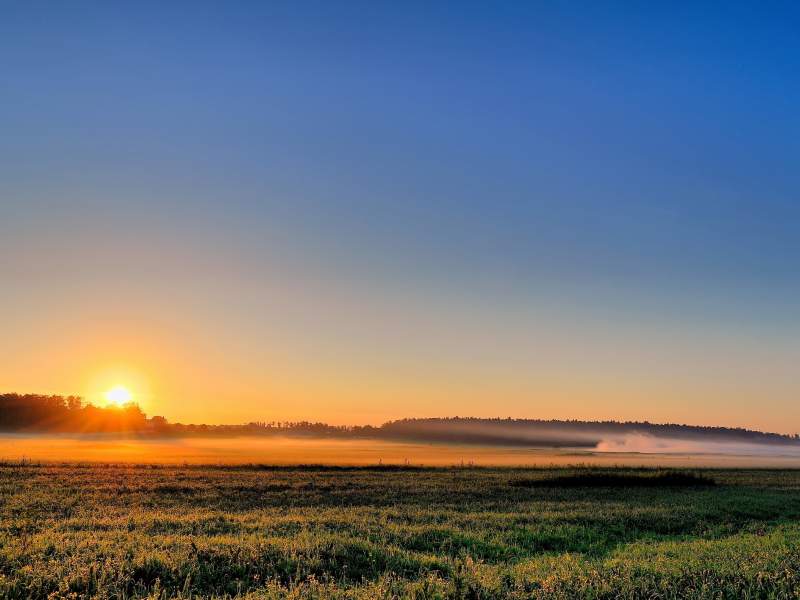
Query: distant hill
(535, 432)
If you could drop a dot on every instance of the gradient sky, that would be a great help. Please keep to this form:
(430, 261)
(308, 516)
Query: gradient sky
(355, 212)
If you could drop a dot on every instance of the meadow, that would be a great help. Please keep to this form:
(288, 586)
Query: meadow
(178, 531)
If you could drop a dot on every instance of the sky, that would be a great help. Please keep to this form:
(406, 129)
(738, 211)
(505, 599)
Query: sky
(361, 211)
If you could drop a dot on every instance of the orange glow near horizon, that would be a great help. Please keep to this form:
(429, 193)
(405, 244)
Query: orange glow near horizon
(186, 366)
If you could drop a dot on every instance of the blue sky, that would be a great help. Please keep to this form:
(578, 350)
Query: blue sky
(254, 171)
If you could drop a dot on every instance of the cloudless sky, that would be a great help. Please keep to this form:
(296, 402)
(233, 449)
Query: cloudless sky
(361, 211)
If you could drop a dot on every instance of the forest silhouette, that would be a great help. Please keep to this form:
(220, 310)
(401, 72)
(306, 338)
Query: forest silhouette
(37, 413)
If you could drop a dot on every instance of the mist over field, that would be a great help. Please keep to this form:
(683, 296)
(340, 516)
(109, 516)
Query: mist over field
(648, 444)
(55, 428)
(284, 450)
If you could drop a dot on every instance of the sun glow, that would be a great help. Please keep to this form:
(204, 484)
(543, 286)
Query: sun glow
(118, 395)
(115, 384)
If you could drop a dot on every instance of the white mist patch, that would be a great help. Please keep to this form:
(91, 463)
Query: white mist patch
(648, 444)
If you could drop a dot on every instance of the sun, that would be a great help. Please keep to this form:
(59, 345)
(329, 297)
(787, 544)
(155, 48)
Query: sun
(118, 395)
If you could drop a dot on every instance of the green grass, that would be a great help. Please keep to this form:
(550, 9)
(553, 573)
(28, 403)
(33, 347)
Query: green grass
(119, 532)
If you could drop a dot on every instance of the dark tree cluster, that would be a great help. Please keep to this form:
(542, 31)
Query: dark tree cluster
(37, 413)
(262, 429)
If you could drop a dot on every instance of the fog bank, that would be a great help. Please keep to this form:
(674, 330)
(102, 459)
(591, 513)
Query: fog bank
(641, 443)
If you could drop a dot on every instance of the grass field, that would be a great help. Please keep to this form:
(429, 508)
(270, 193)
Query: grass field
(127, 531)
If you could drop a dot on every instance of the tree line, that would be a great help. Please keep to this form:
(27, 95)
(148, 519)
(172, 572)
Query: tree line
(571, 433)
(36, 413)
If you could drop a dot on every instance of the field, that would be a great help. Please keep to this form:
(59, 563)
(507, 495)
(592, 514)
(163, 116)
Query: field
(139, 531)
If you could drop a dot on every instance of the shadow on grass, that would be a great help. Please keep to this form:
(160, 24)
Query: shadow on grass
(611, 479)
